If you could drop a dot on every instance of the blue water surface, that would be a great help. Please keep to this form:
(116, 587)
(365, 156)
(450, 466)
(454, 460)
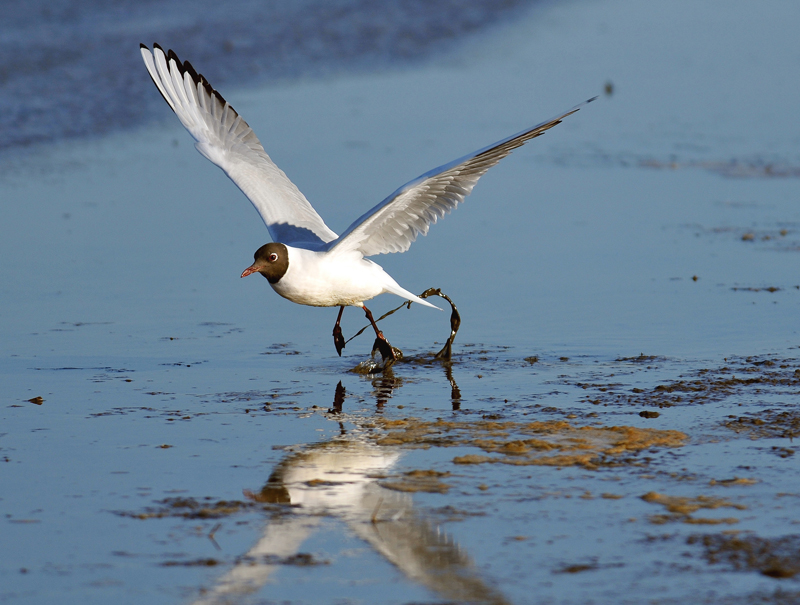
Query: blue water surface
(661, 220)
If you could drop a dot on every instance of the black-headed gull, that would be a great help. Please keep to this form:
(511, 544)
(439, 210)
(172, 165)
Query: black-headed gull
(307, 262)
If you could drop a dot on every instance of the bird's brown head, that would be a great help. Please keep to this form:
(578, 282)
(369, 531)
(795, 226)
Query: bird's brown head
(271, 260)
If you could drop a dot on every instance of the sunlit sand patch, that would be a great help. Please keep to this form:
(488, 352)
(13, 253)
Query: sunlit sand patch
(548, 443)
(681, 508)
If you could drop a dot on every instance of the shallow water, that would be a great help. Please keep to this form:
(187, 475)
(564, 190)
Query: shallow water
(617, 421)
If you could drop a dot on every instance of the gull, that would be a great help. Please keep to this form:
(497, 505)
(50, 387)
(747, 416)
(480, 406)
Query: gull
(307, 262)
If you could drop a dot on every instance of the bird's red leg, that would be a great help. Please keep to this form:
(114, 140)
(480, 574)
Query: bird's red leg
(378, 333)
(338, 339)
(380, 340)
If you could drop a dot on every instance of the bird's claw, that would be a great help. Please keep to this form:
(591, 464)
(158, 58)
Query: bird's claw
(388, 353)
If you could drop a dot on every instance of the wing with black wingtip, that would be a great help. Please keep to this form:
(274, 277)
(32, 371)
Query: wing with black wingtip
(395, 223)
(224, 138)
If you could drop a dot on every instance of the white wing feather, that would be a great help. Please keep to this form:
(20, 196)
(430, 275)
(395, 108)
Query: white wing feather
(395, 223)
(224, 138)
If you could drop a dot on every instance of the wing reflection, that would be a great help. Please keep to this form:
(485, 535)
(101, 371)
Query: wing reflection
(340, 479)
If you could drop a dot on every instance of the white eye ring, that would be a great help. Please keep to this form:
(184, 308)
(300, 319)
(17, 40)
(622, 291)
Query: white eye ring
(273, 257)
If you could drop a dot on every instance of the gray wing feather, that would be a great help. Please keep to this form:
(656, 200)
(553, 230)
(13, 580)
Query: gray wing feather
(224, 138)
(395, 223)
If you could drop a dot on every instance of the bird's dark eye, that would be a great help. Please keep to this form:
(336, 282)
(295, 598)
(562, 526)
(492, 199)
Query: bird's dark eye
(273, 257)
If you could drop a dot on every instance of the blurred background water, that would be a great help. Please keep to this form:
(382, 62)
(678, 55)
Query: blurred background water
(65, 67)
(661, 219)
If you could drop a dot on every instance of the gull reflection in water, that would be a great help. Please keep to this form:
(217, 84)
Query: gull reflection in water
(340, 479)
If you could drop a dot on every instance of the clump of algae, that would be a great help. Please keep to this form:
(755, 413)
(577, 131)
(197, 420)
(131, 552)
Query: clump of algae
(419, 481)
(545, 443)
(680, 508)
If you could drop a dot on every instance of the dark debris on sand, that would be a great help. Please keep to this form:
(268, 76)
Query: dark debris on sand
(774, 557)
(742, 376)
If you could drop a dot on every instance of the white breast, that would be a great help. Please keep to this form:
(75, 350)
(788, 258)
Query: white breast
(321, 279)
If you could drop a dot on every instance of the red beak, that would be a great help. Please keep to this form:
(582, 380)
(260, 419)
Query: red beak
(250, 270)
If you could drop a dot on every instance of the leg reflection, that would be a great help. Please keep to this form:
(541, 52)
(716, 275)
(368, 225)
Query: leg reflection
(338, 399)
(455, 392)
(383, 387)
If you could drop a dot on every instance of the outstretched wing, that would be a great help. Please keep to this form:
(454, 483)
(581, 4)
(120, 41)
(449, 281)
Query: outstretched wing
(395, 223)
(223, 137)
